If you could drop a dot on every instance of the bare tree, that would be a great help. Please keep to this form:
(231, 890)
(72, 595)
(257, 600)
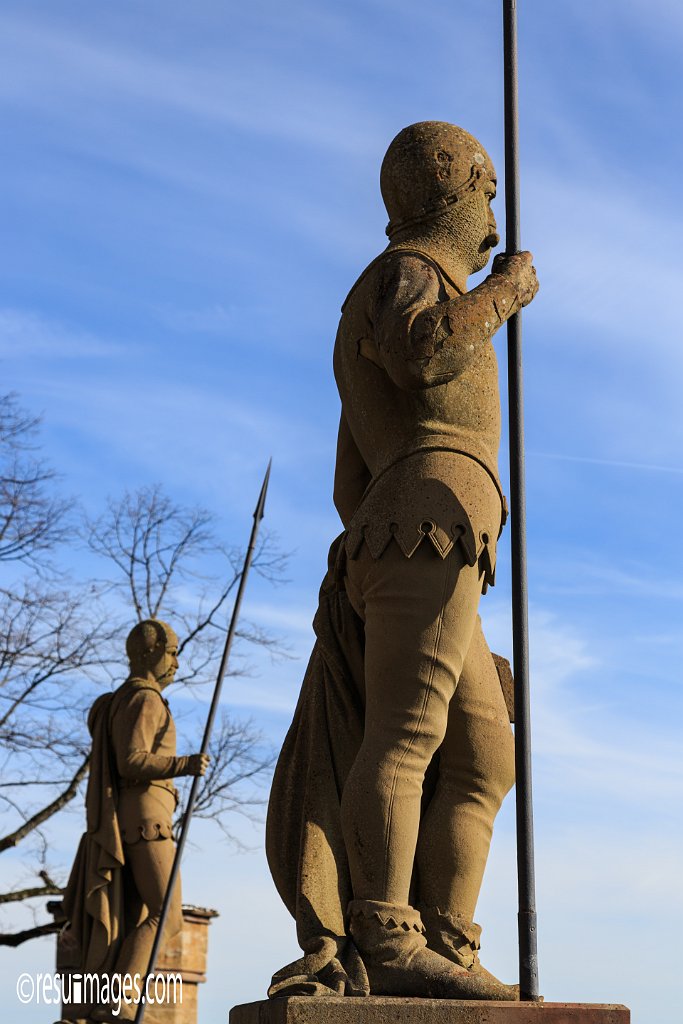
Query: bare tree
(49, 635)
(233, 783)
(161, 551)
(32, 519)
(62, 640)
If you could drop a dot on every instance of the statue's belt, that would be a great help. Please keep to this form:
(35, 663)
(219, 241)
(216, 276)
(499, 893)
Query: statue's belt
(139, 783)
(449, 445)
(410, 508)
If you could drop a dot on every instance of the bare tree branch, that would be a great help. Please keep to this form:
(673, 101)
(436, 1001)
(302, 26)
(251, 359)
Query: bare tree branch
(16, 938)
(56, 805)
(49, 888)
(31, 520)
(238, 756)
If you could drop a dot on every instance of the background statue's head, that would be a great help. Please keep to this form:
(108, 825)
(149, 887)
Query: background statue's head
(152, 648)
(436, 179)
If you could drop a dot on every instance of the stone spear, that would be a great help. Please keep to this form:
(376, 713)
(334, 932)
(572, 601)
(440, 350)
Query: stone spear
(258, 516)
(528, 960)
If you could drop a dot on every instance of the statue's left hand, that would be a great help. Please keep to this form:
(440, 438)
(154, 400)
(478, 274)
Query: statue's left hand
(197, 764)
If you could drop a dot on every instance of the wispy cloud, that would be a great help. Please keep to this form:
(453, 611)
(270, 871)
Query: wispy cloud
(211, 91)
(600, 577)
(26, 334)
(580, 739)
(200, 420)
(587, 460)
(293, 619)
(216, 319)
(604, 268)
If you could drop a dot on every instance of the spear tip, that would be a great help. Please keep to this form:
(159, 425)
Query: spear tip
(261, 503)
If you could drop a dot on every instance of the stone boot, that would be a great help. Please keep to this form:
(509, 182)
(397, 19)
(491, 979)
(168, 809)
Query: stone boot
(390, 939)
(457, 939)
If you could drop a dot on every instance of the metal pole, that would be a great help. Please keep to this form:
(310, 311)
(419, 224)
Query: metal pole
(258, 516)
(528, 959)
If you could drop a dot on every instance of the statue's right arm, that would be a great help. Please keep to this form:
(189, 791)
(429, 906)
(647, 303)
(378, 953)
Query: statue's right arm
(351, 475)
(424, 339)
(134, 731)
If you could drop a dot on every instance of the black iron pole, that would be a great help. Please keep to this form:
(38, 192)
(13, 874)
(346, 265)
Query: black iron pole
(528, 959)
(258, 516)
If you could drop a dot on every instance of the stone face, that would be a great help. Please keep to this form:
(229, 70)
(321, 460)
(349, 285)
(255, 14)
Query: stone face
(386, 1010)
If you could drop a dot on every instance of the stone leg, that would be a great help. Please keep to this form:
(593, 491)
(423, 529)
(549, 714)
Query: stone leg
(150, 863)
(420, 615)
(476, 771)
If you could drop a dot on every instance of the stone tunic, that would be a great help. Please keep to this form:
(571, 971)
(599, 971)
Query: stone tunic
(420, 424)
(144, 742)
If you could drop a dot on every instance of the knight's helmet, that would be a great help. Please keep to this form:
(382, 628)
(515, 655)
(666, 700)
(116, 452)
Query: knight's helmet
(428, 167)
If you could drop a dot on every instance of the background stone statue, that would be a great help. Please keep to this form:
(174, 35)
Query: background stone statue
(118, 882)
(400, 752)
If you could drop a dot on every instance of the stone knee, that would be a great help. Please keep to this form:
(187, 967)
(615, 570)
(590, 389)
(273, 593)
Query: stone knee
(477, 758)
(500, 777)
(486, 783)
(486, 778)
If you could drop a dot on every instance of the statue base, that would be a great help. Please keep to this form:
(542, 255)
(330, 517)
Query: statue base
(393, 1010)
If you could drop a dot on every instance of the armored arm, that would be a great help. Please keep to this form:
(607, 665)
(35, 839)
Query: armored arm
(137, 730)
(423, 338)
(351, 475)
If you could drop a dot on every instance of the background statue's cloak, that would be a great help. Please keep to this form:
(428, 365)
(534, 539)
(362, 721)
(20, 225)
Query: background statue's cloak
(93, 900)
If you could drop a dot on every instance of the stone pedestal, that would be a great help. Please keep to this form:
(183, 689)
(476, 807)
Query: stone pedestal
(183, 956)
(389, 1010)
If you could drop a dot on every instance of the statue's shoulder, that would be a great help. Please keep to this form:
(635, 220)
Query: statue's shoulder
(134, 685)
(99, 708)
(135, 691)
(389, 258)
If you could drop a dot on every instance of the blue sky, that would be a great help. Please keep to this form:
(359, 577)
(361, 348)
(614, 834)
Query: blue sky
(188, 192)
